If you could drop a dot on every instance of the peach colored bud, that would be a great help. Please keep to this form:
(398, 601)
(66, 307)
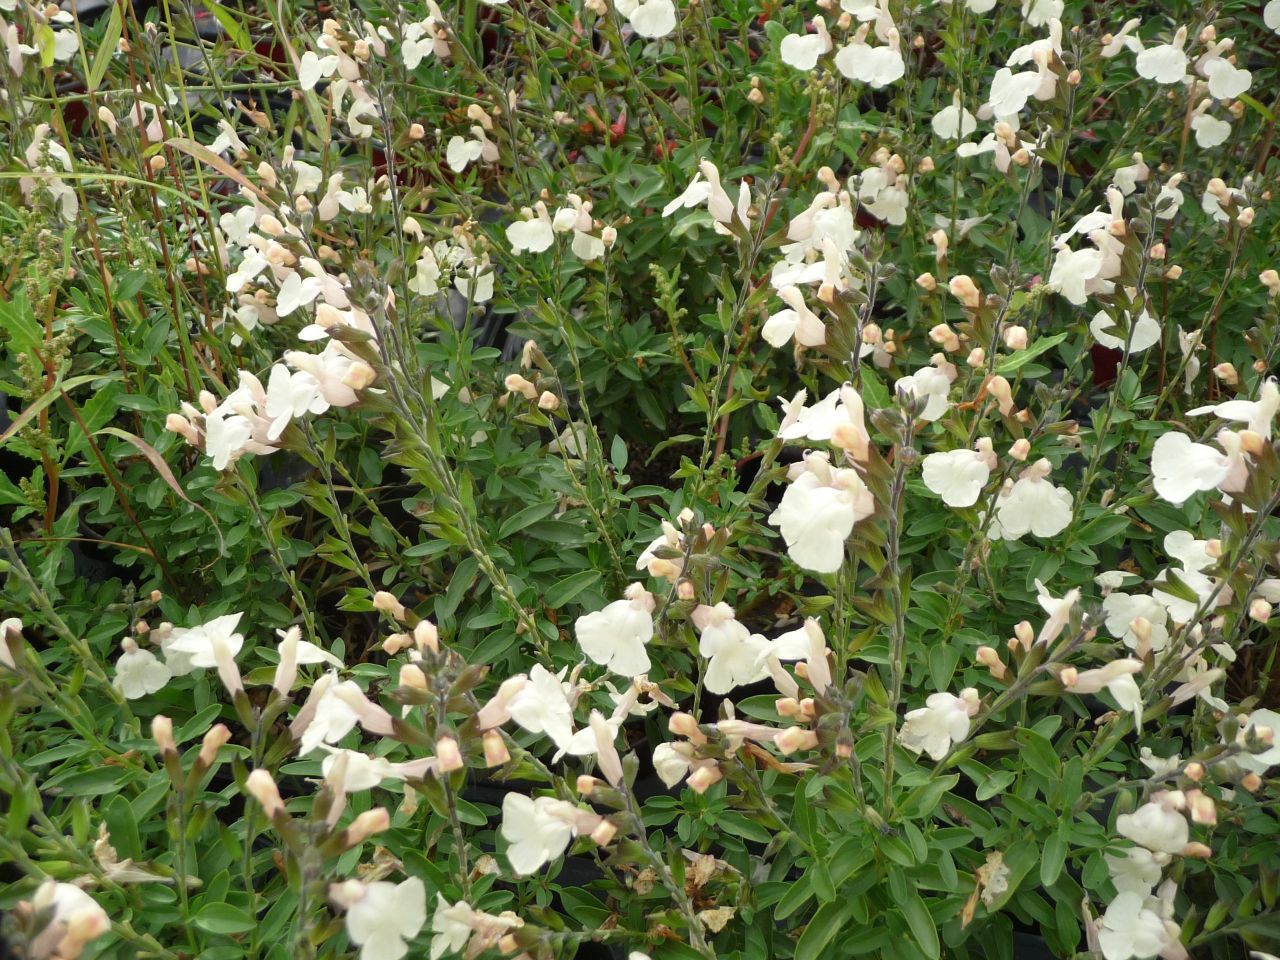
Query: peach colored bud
(844, 750)
(518, 384)
(448, 756)
(945, 337)
(686, 591)
(794, 739)
(366, 825)
(684, 725)
(927, 282)
(925, 165)
(1024, 634)
(1020, 449)
(1116, 228)
(267, 174)
(1068, 676)
(1213, 548)
(1073, 78)
(1015, 337)
(1173, 273)
(548, 401)
(658, 567)
(1141, 628)
(156, 163)
(1194, 771)
(1252, 442)
(162, 733)
(704, 778)
(1202, 808)
(108, 118)
(426, 636)
(604, 833)
(872, 334)
(156, 596)
(217, 736)
(262, 787)
(507, 943)
(977, 357)
(1245, 217)
(1227, 374)
(359, 375)
(416, 131)
(495, 749)
(1217, 186)
(411, 676)
(756, 96)
(1197, 851)
(966, 291)
(270, 225)
(387, 603)
(1021, 157)
(1271, 280)
(1158, 251)
(395, 643)
(609, 236)
(988, 657)
(787, 707)
(177, 423)
(1251, 782)
(586, 783)
(807, 708)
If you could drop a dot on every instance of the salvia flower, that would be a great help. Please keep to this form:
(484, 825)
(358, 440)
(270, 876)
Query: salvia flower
(615, 637)
(382, 916)
(941, 722)
(818, 511)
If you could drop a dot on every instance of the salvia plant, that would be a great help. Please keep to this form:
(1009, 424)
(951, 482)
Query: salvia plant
(639, 478)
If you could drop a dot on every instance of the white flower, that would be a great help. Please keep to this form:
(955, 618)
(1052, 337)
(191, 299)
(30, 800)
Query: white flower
(1156, 825)
(883, 194)
(818, 511)
(875, 66)
(736, 655)
(204, 644)
(862, 10)
(533, 235)
(1259, 763)
(1146, 332)
(1130, 930)
(1210, 131)
(363, 772)
(311, 68)
(943, 720)
(705, 187)
(1166, 63)
(671, 761)
(1032, 505)
(1258, 414)
(1226, 81)
(296, 292)
(802, 50)
(75, 918)
(1193, 554)
(929, 384)
(289, 396)
(1138, 871)
(1073, 271)
(957, 476)
(615, 637)
(534, 831)
(139, 672)
(1121, 609)
(542, 707)
(451, 925)
(797, 321)
(650, 19)
(1159, 766)
(1010, 91)
(385, 916)
(953, 122)
(1271, 16)
(460, 153)
(1128, 177)
(1180, 467)
(333, 717)
(1039, 12)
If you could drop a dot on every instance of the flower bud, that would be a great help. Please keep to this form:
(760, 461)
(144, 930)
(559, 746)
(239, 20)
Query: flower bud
(395, 643)
(386, 602)
(412, 677)
(1020, 449)
(1158, 251)
(162, 733)
(926, 282)
(448, 756)
(267, 174)
(1194, 771)
(603, 833)
(366, 825)
(586, 783)
(217, 736)
(1173, 273)
(1245, 217)
(684, 725)
(359, 375)
(1015, 337)
(1068, 676)
(609, 236)
(1073, 78)
(988, 657)
(1197, 850)
(495, 749)
(156, 163)
(262, 787)
(704, 778)
(426, 636)
(1226, 372)
(270, 225)
(945, 337)
(1252, 442)
(966, 291)
(925, 165)
(686, 591)
(416, 131)
(518, 384)
(1251, 782)
(755, 95)
(977, 357)
(1260, 610)
(794, 739)
(1202, 808)
(1271, 280)
(548, 401)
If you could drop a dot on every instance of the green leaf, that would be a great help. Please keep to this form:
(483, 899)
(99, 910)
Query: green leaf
(1021, 358)
(570, 587)
(224, 919)
(106, 48)
(920, 923)
(822, 929)
(1052, 858)
(618, 453)
(227, 20)
(526, 517)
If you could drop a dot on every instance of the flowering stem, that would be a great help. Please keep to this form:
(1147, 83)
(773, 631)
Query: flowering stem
(898, 638)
